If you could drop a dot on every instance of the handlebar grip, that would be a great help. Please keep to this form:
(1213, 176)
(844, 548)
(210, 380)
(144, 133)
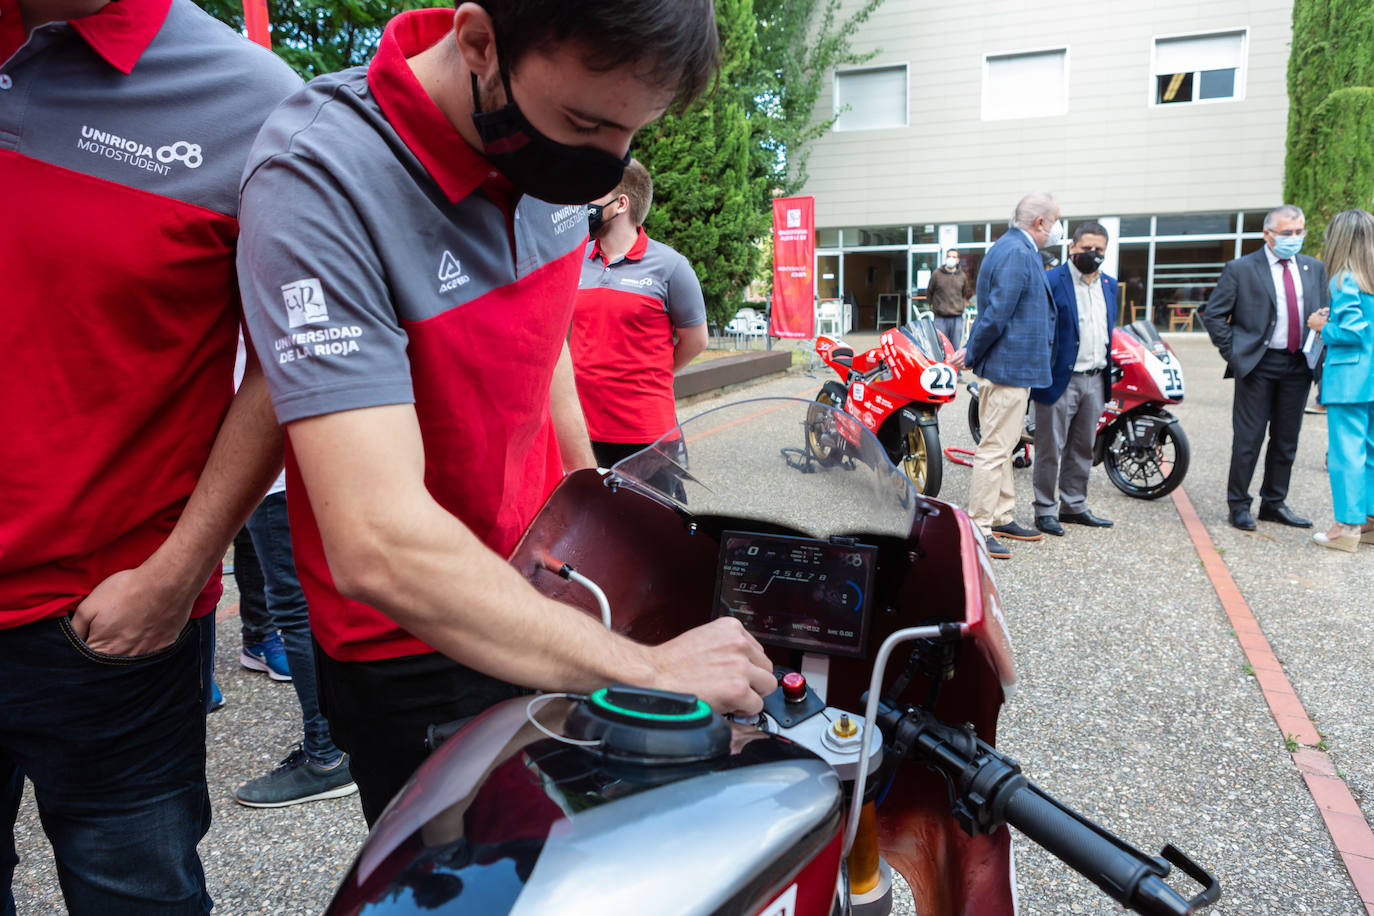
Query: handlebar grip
(1126, 877)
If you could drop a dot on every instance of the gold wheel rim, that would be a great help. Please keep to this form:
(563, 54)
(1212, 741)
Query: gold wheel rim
(813, 432)
(915, 461)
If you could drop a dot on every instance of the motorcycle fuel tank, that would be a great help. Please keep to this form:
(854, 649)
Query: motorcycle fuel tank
(529, 810)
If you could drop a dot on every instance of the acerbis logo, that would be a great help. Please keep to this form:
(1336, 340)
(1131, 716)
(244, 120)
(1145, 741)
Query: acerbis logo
(451, 274)
(181, 151)
(646, 282)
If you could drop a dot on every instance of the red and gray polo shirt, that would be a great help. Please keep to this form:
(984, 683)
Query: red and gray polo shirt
(123, 135)
(622, 339)
(384, 261)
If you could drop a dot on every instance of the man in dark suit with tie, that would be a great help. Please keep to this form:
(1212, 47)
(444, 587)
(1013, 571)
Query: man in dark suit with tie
(1257, 318)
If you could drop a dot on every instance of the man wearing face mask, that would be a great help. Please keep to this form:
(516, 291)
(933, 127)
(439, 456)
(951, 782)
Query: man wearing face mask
(413, 234)
(948, 295)
(1008, 350)
(1067, 410)
(1257, 317)
(640, 317)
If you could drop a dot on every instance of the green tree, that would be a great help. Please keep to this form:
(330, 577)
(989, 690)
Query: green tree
(717, 167)
(319, 36)
(707, 187)
(1330, 157)
(799, 43)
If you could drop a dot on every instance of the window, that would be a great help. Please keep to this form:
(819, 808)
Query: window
(1033, 84)
(1199, 68)
(872, 99)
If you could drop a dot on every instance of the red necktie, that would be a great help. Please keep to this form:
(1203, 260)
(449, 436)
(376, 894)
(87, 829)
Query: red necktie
(1290, 292)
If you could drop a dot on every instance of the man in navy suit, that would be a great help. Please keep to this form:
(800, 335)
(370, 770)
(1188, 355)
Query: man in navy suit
(1008, 350)
(1067, 410)
(1257, 317)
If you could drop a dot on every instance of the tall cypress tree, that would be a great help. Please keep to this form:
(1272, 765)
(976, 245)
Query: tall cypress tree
(708, 193)
(1330, 158)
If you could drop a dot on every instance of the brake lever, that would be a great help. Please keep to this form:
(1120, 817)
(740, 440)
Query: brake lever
(1211, 887)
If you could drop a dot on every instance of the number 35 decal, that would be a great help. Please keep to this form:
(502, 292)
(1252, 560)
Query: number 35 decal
(938, 379)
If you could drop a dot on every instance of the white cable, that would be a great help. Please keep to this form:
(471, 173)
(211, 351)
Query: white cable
(529, 714)
(875, 684)
(597, 593)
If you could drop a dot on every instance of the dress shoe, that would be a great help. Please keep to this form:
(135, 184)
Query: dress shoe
(996, 549)
(1085, 518)
(1242, 519)
(1016, 532)
(1340, 537)
(1283, 515)
(1050, 525)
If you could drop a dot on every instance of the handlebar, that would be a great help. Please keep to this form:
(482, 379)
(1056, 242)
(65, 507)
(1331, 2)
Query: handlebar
(989, 790)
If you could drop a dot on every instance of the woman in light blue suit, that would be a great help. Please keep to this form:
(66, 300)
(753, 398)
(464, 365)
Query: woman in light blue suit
(1348, 378)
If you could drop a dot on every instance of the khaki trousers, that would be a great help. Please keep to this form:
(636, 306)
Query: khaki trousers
(1002, 416)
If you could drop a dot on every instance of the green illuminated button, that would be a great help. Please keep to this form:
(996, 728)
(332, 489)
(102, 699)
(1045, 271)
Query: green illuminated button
(650, 706)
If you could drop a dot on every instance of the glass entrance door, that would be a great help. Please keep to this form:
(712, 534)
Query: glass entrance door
(924, 260)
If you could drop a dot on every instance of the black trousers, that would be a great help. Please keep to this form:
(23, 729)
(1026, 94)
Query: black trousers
(1270, 398)
(379, 712)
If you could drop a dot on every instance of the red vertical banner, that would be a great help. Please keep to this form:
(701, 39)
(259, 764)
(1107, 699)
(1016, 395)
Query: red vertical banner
(255, 22)
(794, 254)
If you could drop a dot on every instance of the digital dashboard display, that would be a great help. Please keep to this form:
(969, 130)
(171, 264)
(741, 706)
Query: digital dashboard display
(799, 593)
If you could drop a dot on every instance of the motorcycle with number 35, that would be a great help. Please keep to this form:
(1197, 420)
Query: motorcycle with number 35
(876, 755)
(895, 390)
(1141, 443)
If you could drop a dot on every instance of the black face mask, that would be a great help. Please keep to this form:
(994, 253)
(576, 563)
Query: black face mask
(1088, 262)
(596, 218)
(536, 165)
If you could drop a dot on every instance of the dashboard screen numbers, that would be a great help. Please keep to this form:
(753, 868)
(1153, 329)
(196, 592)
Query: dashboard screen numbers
(798, 593)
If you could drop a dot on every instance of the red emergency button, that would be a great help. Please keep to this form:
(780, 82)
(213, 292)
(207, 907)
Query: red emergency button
(794, 687)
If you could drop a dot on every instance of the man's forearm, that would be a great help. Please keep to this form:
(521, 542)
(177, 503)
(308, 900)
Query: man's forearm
(569, 425)
(246, 456)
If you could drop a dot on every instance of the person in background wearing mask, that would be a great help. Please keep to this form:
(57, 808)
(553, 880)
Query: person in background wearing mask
(640, 317)
(1257, 318)
(1009, 350)
(1067, 410)
(948, 295)
(413, 233)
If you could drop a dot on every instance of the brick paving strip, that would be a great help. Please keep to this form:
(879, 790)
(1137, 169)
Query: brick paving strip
(1344, 820)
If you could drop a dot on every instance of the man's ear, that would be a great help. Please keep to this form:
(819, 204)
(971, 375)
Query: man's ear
(476, 39)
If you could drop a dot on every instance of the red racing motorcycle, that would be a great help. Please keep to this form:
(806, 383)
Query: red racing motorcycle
(1141, 443)
(875, 755)
(895, 391)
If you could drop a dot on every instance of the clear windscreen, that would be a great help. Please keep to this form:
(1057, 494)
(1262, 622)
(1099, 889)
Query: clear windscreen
(800, 464)
(921, 331)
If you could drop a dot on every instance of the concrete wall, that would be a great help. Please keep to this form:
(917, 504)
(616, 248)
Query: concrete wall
(1112, 153)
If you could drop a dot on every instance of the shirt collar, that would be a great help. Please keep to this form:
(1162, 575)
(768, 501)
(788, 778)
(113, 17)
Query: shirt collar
(454, 165)
(635, 253)
(118, 32)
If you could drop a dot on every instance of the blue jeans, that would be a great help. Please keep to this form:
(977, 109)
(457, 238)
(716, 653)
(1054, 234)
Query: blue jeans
(115, 749)
(271, 534)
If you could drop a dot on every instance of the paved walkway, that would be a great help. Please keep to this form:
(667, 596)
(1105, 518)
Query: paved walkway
(1154, 696)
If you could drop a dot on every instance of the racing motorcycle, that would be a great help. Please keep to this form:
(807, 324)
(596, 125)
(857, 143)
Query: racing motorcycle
(894, 390)
(1143, 446)
(877, 752)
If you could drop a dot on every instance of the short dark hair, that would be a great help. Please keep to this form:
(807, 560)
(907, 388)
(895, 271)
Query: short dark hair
(636, 185)
(673, 43)
(1091, 227)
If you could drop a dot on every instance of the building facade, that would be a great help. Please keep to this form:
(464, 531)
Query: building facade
(1163, 119)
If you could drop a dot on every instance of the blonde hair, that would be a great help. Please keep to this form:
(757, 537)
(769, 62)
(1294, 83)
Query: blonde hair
(1350, 246)
(636, 185)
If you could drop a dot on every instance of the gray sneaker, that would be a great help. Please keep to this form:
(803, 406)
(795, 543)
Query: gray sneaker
(297, 779)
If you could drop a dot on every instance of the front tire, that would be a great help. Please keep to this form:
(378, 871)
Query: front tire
(1147, 473)
(922, 461)
(975, 423)
(823, 440)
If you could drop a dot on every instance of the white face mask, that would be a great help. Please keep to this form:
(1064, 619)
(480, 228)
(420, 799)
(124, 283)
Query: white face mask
(1056, 235)
(951, 262)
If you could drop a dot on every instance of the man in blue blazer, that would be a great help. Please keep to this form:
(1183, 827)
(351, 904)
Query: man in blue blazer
(1257, 318)
(1008, 349)
(1067, 410)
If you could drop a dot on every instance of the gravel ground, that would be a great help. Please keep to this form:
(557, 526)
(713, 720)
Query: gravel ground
(1133, 706)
